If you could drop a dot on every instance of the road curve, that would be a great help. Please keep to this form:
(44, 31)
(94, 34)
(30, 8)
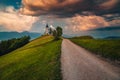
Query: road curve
(79, 64)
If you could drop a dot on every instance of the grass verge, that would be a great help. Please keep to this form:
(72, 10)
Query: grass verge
(107, 48)
(38, 60)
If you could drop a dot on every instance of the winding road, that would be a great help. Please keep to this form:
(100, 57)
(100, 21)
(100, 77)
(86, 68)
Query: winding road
(80, 64)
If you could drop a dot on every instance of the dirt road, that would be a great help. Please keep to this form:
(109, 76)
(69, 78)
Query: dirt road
(79, 64)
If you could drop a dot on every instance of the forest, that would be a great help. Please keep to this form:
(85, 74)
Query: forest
(7, 46)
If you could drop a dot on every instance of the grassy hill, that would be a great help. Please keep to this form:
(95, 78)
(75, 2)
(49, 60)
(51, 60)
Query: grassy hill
(107, 48)
(38, 60)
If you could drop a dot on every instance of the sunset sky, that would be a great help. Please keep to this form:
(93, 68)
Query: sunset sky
(76, 17)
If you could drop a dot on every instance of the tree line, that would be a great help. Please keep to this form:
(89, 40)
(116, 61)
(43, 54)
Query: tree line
(7, 46)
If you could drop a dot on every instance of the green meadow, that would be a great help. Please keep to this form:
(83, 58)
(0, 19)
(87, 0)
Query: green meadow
(109, 49)
(38, 60)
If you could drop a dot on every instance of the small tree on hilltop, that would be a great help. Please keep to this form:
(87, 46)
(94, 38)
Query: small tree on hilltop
(57, 33)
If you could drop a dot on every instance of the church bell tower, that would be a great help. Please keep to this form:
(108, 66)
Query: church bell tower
(46, 29)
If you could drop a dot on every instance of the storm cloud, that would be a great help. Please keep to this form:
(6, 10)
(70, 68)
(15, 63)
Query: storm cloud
(69, 8)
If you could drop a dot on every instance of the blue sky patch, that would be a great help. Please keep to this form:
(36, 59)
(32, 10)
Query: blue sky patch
(15, 3)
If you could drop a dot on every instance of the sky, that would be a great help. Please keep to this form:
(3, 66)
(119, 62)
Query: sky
(76, 17)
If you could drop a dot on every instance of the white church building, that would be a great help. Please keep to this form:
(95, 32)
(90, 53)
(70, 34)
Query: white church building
(49, 29)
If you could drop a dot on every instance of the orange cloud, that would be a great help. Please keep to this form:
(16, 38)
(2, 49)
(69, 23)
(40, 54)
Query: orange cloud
(68, 8)
(114, 22)
(39, 7)
(109, 4)
(82, 23)
(14, 21)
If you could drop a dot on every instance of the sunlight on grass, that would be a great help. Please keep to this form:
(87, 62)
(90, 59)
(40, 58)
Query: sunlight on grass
(106, 48)
(38, 60)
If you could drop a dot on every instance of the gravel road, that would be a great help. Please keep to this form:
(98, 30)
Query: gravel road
(80, 64)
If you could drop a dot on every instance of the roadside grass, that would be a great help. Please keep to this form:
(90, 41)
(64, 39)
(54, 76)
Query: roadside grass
(38, 60)
(106, 48)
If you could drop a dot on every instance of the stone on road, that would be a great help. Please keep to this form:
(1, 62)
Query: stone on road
(79, 64)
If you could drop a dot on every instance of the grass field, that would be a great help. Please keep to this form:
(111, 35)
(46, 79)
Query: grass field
(107, 48)
(38, 60)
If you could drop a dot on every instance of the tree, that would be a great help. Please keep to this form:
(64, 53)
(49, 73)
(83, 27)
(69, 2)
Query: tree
(50, 31)
(57, 33)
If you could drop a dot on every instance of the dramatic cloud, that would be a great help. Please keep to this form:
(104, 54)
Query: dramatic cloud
(115, 22)
(113, 19)
(12, 20)
(77, 15)
(83, 23)
(68, 8)
(109, 4)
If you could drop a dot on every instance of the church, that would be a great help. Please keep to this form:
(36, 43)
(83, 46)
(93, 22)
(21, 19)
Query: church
(49, 29)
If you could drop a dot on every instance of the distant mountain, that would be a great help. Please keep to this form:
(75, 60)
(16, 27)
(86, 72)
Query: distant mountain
(9, 35)
(66, 36)
(108, 28)
(112, 37)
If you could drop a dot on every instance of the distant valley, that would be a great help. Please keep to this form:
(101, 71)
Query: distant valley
(9, 35)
